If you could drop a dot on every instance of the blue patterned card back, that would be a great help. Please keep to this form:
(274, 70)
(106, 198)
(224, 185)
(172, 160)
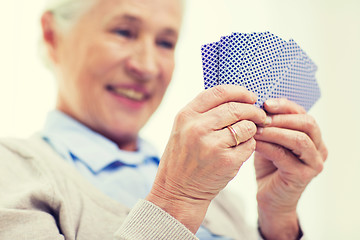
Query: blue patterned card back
(223, 57)
(269, 50)
(262, 63)
(250, 50)
(210, 64)
(236, 49)
(298, 83)
(289, 52)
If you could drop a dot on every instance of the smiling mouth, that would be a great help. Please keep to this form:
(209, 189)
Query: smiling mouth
(128, 93)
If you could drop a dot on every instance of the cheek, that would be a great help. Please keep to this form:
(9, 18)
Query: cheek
(168, 67)
(104, 57)
(165, 79)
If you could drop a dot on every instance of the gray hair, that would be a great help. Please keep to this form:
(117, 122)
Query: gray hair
(65, 13)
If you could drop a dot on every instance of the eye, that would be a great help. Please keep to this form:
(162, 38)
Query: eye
(166, 44)
(125, 33)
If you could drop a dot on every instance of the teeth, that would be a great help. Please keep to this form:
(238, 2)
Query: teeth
(130, 93)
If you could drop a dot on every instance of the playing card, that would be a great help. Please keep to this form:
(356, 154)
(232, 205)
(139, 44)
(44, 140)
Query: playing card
(239, 54)
(262, 63)
(210, 64)
(308, 61)
(268, 51)
(223, 58)
(236, 49)
(297, 83)
(250, 51)
(289, 52)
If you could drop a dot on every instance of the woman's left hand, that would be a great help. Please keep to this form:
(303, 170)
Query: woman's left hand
(289, 154)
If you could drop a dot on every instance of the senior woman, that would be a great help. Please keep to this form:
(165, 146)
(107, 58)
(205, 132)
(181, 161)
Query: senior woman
(83, 176)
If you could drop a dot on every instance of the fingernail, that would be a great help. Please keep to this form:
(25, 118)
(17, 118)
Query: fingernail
(259, 130)
(272, 103)
(268, 121)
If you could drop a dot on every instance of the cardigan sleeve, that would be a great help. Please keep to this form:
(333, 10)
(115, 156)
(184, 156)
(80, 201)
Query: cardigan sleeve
(148, 221)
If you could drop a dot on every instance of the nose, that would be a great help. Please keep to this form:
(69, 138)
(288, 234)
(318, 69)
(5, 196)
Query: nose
(142, 63)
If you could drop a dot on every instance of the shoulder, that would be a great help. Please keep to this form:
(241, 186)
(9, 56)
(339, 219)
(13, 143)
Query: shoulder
(23, 155)
(19, 166)
(15, 154)
(41, 192)
(22, 148)
(31, 166)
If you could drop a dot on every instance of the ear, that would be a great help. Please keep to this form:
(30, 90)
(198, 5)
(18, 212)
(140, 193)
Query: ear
(49, 34)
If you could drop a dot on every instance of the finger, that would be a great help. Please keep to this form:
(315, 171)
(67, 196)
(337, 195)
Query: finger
(283, 106)
(263, 165)
(242, 152)
(232, 112)
(218, 95)
(286, 162)
(323, 151)
(297, 142)
(281, 157)
(243, 131)
(299, 122)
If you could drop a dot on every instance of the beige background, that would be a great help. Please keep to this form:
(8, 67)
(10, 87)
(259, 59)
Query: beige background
(329, 31)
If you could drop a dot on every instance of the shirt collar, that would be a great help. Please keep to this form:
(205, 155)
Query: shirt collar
(67, 134)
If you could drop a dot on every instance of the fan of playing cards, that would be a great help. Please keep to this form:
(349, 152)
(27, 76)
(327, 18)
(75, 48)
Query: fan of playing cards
(264, 64)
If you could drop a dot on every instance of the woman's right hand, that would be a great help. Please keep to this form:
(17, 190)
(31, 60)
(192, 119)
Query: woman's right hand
(201, 157)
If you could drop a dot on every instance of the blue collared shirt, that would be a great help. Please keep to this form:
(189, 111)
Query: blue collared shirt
(122, 175)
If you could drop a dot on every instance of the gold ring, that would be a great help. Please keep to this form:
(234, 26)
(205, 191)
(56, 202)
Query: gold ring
(234, 133)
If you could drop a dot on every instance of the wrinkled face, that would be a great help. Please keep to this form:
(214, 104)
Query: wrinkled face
(115, 64)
